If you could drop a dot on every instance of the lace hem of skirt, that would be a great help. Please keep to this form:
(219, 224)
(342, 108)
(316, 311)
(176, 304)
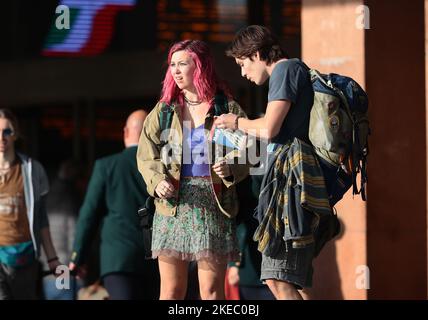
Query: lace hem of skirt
(208, 255)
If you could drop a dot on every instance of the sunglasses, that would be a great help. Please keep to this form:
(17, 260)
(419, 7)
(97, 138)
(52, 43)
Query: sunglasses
(7, 132)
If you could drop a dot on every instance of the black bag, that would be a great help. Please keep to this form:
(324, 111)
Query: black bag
(146, 214)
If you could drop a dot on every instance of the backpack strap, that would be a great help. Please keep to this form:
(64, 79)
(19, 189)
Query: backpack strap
(359, 166)
(165, 120)
(315, 74)
(167, 112)
(220, 104)
(364, 178)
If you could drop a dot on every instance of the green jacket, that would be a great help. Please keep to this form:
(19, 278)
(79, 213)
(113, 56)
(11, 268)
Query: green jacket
(115, 192)
(157, 163)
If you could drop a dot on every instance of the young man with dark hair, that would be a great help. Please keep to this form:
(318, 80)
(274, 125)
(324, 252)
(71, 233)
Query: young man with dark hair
(295, 218)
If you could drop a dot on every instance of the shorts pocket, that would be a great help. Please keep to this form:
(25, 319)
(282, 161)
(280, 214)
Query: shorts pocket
(291, 257)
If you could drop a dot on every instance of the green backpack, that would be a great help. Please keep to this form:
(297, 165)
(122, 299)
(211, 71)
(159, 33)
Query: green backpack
(339, 130)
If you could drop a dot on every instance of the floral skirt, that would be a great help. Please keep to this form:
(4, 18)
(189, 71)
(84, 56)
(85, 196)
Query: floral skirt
(198, 230)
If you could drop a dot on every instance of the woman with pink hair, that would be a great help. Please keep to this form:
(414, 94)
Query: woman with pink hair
(195, 196)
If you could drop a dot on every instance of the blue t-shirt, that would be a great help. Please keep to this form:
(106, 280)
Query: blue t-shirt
(290, 80)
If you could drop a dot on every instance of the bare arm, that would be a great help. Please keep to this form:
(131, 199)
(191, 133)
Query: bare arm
(49, 248)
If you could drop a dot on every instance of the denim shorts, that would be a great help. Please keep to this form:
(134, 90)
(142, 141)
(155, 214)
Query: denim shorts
(294, 265)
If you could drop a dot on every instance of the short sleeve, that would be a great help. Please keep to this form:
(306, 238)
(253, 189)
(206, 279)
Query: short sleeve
(286, 80)
(42, 178)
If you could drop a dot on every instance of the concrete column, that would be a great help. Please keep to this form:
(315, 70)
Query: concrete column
(389, 232)
(397, 206)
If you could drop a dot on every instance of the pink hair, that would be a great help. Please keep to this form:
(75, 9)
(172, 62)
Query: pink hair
(205, 78)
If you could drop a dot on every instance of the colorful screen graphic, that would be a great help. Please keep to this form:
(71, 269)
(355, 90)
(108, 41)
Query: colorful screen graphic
(91, 25)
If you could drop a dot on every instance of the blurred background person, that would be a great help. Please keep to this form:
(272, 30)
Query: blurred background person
(243, 277)
(62, 205)
(115, 192)
(24, 225)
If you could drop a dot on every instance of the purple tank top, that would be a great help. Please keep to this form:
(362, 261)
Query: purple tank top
(195, 153)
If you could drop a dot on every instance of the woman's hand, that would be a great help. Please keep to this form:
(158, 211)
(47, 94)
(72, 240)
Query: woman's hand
(165, 189)
(226, 121)
(222, 169)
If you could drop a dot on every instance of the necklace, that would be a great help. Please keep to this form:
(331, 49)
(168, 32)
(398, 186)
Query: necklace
(192, 103)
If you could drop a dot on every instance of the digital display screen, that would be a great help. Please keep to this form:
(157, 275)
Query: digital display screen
(77, 28)
(83, 28)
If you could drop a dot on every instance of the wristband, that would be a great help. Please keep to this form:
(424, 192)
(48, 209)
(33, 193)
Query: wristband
(236, 122)
(52, 259)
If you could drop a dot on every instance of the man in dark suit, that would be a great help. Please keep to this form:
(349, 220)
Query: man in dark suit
(117, 186)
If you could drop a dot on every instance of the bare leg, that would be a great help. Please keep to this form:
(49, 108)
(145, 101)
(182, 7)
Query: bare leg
(283, 290)
(211, 280)
(306, 294)
(173, 274)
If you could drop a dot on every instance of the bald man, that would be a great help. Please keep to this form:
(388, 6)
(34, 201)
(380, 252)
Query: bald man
(115, 192)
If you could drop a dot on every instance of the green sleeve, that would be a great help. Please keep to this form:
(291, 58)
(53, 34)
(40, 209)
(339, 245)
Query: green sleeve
(89, 216)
